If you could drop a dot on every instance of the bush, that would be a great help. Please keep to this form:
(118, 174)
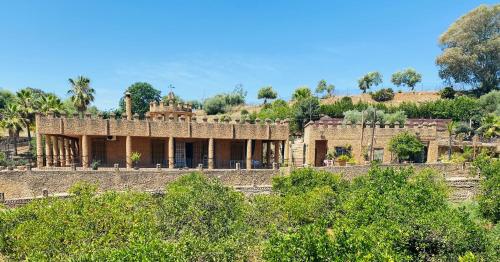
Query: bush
(405, 145)
(384, 94)
(489, 197)
(205, 219)
(447, 93)
(221, 103)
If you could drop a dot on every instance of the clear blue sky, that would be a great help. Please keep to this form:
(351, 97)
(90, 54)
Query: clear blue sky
(207, 47)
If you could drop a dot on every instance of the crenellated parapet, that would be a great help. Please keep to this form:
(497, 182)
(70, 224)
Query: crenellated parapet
(161, 126)
(328, 130)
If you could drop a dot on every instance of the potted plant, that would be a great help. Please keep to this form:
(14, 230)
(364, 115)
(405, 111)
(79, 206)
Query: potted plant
(135, 158)
(351, 161)
(95, 164)
(330, 156)
(342, 160)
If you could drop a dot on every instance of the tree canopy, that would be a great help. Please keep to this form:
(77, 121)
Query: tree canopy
(369, 80)
(266, 93)
(471, 50)
(409, 77)
(323, 87)
(142, 94)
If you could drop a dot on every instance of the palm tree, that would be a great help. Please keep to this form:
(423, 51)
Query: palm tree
(450, 127)
(26, 105)
(49, 103)
(81, 93)
(13, 122)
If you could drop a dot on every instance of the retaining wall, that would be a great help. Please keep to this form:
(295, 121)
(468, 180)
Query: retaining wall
(30, 184)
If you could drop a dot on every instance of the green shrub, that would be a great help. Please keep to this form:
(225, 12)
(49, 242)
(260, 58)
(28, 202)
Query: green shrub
(405, 145)
(447, 93)
(382, 95)
(489, 197)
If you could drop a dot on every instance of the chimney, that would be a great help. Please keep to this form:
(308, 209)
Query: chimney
(128, 105)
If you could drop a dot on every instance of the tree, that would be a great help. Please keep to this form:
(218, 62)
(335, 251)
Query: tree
(50, 103)
(5, 97)
(369, 80)
(301, 93)
(489, 187)
(13, 122)
(450, 127)
(447, 93)
(409, 77)
(305, 110)
(142, 94)
(81, 93)
(26, 101)
(323, 86)
(471, 50)
(405, 145)
(267, 92)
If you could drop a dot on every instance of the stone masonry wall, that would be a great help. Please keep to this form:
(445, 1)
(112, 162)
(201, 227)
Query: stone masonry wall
(30, 184)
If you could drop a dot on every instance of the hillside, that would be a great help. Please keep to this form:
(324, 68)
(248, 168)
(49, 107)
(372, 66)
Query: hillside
(417, 97)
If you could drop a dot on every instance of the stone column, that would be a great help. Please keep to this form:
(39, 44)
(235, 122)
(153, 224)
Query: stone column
(67, 152)
(39, 150)
(128, 151)
(276, 151)
(171, 159)
(85, 151)
(128, 106)
(268, 152)
(210, 153)
(165, 149)
(249, 154)
(49, 160)
(62, 153)
(287, 152)
(55, 151)
(432, 152)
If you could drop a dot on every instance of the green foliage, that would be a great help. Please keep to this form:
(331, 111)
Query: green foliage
(405, 145)
(489, 198)
(470, 50)
(302, 92)
(490, 102)
(409, 77)
(142, 94)
(305, 110)
(382, 95)
(369, 80)
(221, 103)
(5, 97)
(306, 179)
(447, 93)
(135, 157)
(388, 214)
(81, 94)
(204, 219)
(323, 87)
(84, 227)
(266, 93)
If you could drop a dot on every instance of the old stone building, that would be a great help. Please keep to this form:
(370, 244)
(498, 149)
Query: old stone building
(331, 134)
(170, 135)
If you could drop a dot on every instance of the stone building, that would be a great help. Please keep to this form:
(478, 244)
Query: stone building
(331, 134)
(170, 135)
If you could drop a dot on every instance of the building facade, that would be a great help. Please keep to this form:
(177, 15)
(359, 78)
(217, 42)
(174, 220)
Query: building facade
(331, 134)
(170, 136)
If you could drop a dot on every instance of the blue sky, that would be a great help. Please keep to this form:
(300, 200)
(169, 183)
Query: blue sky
(207, 47)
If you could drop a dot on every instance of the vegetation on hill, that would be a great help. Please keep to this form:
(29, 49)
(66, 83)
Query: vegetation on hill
(388, 214)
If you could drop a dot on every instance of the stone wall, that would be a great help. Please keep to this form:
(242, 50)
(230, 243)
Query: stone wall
(30, 184)
(359, 139)
(75, 126)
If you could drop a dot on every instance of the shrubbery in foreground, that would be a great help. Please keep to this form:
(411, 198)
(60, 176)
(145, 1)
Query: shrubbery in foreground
(388, 214)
